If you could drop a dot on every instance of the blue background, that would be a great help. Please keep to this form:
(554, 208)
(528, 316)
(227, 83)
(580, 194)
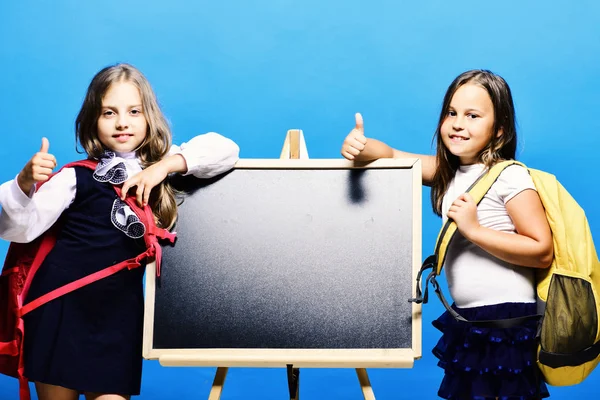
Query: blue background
(251, 70)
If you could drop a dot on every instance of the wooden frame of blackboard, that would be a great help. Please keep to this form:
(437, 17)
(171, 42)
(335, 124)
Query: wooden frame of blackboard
(312, 358)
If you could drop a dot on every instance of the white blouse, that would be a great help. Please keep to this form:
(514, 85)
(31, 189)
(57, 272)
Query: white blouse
(24, 217)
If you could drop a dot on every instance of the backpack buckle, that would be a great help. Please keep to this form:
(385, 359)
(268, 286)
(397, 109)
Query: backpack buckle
(429, 263)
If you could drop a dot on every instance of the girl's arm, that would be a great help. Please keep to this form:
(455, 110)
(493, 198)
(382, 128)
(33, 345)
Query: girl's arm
(24, 218)
(531, 246)
(205, 156)
(357, 147)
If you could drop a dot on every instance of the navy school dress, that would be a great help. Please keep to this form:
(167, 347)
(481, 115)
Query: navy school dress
(89, 340)
(489, 363)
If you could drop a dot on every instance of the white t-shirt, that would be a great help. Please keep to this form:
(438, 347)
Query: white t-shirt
(475, 277)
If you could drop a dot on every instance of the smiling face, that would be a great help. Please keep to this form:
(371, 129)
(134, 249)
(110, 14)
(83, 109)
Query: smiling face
(122, 125)
(468, 126)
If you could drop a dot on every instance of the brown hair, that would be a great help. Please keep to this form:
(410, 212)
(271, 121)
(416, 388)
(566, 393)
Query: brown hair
(500, 147)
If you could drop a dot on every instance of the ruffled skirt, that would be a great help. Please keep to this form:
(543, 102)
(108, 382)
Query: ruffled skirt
(489, 363)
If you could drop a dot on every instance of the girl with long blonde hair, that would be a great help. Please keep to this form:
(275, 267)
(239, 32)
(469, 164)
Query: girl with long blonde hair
(90, 340)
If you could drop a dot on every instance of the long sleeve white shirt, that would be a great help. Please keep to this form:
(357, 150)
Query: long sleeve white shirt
(24, 217)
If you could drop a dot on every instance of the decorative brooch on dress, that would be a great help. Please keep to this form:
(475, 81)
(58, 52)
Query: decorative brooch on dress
(113, 169)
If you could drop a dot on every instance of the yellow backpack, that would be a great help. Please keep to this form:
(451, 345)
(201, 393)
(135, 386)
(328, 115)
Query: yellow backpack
(569, 330)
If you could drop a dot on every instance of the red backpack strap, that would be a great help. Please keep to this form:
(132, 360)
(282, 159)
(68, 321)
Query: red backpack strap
(153, 232)
(70, 287)
(88, 163)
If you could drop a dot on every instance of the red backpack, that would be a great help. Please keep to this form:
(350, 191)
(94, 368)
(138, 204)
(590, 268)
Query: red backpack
(21, 264)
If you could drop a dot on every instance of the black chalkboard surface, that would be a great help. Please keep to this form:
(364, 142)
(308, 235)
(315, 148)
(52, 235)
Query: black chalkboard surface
(280, 261)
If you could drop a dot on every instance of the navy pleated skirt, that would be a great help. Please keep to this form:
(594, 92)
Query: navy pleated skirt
(489, 363)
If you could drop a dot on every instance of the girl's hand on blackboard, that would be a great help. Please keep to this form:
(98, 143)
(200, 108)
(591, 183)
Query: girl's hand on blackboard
(356, 141)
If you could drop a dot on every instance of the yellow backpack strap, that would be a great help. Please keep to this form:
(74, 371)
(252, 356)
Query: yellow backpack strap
(477, 190)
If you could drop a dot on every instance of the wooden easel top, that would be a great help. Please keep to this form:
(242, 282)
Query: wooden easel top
(294, 146)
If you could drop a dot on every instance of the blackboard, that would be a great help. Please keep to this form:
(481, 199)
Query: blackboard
(309, 262)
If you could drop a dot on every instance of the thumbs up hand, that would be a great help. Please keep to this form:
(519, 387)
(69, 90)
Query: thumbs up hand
(356, 141)
(38, 169)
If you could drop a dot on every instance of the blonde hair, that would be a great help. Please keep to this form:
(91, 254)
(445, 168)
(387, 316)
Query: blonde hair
(156, 144)
(500, 147)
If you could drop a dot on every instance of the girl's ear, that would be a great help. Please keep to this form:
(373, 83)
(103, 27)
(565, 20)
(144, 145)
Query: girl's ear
(500, 133)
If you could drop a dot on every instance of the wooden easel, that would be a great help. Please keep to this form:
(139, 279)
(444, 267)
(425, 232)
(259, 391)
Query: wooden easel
(294, 147)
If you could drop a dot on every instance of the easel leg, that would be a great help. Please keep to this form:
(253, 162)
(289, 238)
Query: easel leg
(365, 384)
(217, 387)
(293, 375)
(294, 148)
